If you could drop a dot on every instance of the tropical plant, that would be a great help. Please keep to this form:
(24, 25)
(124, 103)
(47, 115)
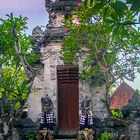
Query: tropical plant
(117, 113)
(16, 71)
(105, 33)
(105, 136)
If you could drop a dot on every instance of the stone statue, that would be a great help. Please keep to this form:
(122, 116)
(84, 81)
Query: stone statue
(47, 104)
(86, 105)
(86, 118)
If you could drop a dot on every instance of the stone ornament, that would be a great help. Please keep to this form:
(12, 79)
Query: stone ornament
(86, 105)
(56, 19)
(38, 36)
(47, 104)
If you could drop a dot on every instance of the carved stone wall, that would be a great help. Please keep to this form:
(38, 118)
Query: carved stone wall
(99, 108)
(56, 19)
(49, 43)
(50, 59)
(50, 73)
(49, 86)
(96, 94)
(34, 99)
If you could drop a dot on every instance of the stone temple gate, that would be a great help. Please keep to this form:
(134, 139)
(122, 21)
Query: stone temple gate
(60, 82)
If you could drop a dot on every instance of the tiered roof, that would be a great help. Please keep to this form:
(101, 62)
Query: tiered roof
(121, 96)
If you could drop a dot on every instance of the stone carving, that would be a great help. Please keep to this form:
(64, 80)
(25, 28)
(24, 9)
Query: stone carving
(53, 61)
(47, 104)
(47, 52)
(86, 105)
(38, 36)
(53, 73)
(48, 4)
(56, 19)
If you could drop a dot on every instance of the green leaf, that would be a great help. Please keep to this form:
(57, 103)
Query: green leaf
(97, 7)
(120, 8)
(136, 6)
(107, 20)
(91, 2)
(85, 3)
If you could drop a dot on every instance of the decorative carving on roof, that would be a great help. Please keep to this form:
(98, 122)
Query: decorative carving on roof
(38, 38)
(56, 19)
(57, 10)
(54, 33)
(60, 5)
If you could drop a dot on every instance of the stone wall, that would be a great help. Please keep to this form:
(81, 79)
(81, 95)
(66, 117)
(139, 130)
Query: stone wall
(50, 59)
(99, 108)
(34, 99)
(50, 73)
(53, 36)
(133, 130)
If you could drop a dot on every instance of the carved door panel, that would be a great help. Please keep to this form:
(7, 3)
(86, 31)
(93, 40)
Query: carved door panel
(68, 98)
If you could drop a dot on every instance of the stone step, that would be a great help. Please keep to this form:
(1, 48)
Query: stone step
(63, 135)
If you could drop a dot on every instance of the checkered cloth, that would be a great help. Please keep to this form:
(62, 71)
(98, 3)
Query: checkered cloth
(83, 118)
(47, 118)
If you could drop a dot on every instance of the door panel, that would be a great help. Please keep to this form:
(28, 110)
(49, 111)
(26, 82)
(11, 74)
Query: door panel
(68, 98)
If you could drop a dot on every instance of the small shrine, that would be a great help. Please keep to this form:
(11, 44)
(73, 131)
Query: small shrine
(127, 100)
(121, 96)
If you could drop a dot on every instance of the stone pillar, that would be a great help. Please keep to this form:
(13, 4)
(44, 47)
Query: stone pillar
(96, 93)
(34, 99)
(50, 71)
(99, 108)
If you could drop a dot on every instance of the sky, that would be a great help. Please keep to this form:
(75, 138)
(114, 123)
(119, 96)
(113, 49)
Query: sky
(34, 10)
(36, 13)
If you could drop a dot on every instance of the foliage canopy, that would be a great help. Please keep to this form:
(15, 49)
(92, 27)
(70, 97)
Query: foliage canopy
(16, 72)
(102, 34)
(107, 34)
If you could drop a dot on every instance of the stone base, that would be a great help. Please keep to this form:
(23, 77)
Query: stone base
(65, 134)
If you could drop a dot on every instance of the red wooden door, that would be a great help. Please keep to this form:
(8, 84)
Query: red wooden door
(68, 98)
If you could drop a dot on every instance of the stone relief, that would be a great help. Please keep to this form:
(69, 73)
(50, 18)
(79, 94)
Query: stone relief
(53, 73)
(48, 4)
(54, 61)
(86, 105)
(47, 104)
(85, 89)
(47, 52)
(54, 90)
(56, 19)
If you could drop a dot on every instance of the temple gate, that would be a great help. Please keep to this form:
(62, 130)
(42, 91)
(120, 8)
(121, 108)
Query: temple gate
(57, 81)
